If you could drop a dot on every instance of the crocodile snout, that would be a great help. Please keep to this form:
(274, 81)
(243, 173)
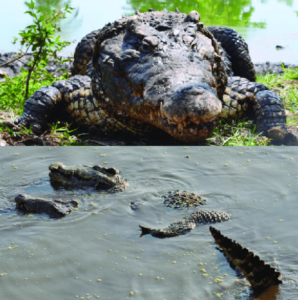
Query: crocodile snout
(197, 103)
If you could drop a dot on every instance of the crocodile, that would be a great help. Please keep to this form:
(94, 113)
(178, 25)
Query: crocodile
(158, 74)
(259, 274)
(95, 176)
(256, 271)
(54, 208)
(183, 199)
(80, 176)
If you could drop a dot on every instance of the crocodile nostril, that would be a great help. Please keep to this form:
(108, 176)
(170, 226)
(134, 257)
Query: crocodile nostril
(193, 91)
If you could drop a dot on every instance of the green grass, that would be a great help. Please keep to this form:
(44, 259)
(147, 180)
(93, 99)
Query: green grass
(286, 86)
(236, 133)
(12, 101)
(12, 91)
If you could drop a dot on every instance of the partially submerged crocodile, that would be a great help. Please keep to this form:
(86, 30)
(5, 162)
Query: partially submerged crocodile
(54, 208)
(154, 72)
(80, 176)
(259, 274)
(184, 199)
(88, 176)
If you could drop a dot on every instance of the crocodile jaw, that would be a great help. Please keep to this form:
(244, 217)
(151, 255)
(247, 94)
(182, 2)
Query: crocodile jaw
(191, 113)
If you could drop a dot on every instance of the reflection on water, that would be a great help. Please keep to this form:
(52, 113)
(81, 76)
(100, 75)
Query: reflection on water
(96, 251)
(213, 12)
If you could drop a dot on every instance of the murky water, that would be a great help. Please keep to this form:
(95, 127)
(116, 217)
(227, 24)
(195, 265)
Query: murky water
(96, 251)
(263, 23)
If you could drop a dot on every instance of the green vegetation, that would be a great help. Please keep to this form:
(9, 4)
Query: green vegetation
(40, 38)
(13, 89)
(42, 41)
(72, 23)
(237, 133)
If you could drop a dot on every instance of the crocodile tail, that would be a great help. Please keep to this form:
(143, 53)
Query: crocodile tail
(254, 269)
(159, 233)
(145, 230)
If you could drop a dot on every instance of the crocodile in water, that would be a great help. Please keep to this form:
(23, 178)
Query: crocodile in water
(54, 208)
(256, 271)
(107, 179)
(184, 199)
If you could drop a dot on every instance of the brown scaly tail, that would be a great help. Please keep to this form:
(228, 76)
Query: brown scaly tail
(254, 269)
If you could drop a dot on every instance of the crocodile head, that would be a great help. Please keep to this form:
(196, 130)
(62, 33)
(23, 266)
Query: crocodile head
(21, 200)
(89, 176)
(164, 69)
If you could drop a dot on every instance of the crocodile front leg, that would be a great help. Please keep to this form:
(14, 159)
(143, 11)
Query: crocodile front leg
(237, 49)
(269, 111)
(66, 99)
(265, 107)
(38, 108)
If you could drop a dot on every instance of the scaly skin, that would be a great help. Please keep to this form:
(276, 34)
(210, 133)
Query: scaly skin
(54, 208)
(237, 50)
(77, 176)
(86, 176)
(184, 199)
(186, 224)
(157, 72)
(251, 98)
(254, 269)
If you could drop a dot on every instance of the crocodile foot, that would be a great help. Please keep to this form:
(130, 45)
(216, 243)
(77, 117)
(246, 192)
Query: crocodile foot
(282, 136)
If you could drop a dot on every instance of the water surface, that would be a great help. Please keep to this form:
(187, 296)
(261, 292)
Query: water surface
(96, 251)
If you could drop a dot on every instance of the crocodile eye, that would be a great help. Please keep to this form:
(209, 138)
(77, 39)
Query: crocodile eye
(146, 47)
(149, 43)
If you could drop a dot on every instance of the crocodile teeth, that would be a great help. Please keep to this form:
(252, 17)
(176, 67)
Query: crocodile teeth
(151, 115)
(254, 269)
(180, 127)
(171, 123)
(105, 59)
(161, 111)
